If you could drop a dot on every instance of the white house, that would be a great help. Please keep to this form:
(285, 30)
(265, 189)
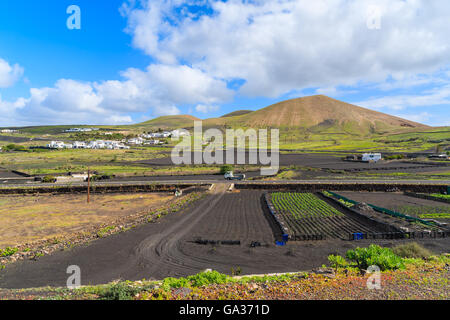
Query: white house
(178, 133)
(56, 145)
(79, 145)
(164, 134)
(153, 142)
(115, 145)
(98, 144)
(138, 140)
(81, 129)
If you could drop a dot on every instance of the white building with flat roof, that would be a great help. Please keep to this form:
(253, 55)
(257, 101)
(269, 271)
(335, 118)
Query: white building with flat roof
(59, 145)
(371, 157)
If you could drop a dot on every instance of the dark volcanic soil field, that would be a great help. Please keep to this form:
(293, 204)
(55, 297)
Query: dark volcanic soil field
(399, 202)
(390, 200)
(166, 248)
(6, 174)
(327, 161)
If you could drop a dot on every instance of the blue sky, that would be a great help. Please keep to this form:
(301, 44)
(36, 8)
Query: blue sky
(34, 34)
(135, 60)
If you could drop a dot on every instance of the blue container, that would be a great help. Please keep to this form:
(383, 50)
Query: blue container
(280, 243)
(358, 236)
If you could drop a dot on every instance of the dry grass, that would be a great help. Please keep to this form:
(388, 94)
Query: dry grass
(29, 218)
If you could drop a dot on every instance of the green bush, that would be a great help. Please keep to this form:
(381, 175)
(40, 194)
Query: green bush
(384, 258)
(411, 250)
(225, 168)
(209, 277)
(395, 157)
(15, 147)
(198, 280)
(337, 261)
(118, 291)
(169, 283)
(48, 179)
(8, 251)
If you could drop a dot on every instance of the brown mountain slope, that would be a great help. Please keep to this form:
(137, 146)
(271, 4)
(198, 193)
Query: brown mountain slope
(236, 113)
(320, 113)
(169, 122)
(313, 110)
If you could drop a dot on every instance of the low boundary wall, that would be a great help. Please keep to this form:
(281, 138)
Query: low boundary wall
(387, 228)
(426, 197)
(315, 187)
(103, 188)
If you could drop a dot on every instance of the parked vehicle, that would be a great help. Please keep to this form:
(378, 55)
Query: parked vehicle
(371, 157)
(230, 176)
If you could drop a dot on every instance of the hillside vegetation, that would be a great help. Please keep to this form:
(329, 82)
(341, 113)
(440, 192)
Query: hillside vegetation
(314, 123)
(315, 113)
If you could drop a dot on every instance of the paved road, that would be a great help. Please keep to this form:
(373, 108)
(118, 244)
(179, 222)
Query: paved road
(220, 180)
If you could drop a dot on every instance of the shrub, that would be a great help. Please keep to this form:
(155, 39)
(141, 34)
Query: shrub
(208, 277)
(48, 179)
(225, 168)
(384, 258)
(337, 261)
(8, 251)
(118, 291)
(104, 231)
(395, 157)
(15, 147)
(198, 280)
(170, 282)
(411, 250)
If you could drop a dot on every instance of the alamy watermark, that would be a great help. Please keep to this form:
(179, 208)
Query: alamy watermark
(211, 147)
(74, 280)
(74, 20)
(374, 281)
(373, 21)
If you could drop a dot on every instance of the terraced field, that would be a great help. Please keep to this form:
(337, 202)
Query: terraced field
(308, 217)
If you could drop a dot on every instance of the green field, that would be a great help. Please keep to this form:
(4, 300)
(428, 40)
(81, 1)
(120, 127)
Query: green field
(302, 205)
(76, 160)
(439, 211)
(292, 139)
(298, 139)
(441, 196)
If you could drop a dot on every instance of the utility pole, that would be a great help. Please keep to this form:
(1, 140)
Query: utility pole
(89, 186)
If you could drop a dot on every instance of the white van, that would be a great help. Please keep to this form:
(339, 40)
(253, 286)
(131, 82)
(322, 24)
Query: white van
(371, 157)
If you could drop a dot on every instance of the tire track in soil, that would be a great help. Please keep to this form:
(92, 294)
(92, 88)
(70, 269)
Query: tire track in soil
(161, 252)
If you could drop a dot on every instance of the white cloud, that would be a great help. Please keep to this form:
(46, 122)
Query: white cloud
(9, 74)
(427, 98)
(327, 91)
(280, 46)
(206, 108)
(273, 47)
(422, 117)
(157, 91)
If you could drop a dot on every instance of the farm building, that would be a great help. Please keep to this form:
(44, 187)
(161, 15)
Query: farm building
(371, 157)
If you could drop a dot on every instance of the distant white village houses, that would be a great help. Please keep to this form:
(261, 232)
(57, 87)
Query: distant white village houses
(9, 131)
(81, 129)
(143, 139)
(98, 144)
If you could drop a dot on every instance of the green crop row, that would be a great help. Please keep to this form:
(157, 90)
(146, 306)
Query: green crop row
(302, 205)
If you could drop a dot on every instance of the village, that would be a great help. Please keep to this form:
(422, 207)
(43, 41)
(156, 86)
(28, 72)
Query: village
(145, 139)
